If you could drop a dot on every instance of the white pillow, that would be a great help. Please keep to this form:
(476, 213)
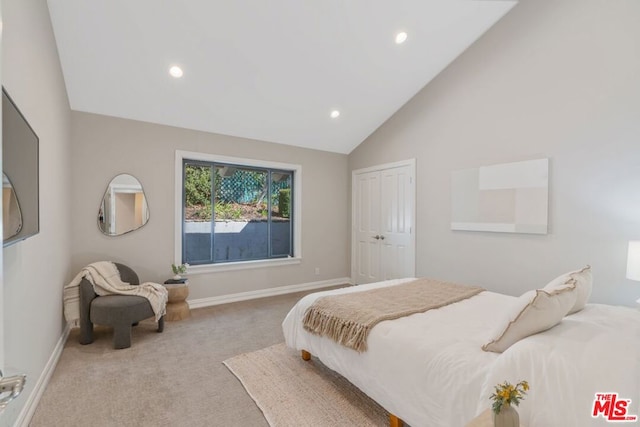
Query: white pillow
(535, 311)
(583, 281)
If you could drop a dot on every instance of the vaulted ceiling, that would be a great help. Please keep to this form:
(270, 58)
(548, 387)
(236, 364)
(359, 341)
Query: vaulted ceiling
(269, 70)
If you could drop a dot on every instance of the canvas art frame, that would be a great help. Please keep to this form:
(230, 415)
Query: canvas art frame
(505, 198)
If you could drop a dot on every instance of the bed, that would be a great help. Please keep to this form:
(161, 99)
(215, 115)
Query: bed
(429, 369)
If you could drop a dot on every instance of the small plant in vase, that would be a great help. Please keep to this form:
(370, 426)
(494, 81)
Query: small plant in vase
(179, 270)
(505, 396)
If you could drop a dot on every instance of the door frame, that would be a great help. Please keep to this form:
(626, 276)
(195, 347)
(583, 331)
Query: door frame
(411, 163)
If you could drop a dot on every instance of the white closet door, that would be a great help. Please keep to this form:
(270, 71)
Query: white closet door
(383, 243)
(367, 226)
(397, 257)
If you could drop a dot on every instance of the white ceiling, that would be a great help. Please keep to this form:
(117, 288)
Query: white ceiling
(269, 70)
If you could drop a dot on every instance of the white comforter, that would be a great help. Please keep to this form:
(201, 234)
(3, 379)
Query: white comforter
(596, 350)
(429, 368)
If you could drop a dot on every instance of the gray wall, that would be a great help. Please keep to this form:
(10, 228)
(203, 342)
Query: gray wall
(36, 269)
(105, 146)
(557, 79)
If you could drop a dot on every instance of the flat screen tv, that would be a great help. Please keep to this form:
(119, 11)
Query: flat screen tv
(20, 193)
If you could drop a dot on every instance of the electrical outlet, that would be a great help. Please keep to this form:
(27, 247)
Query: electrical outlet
(317, 271)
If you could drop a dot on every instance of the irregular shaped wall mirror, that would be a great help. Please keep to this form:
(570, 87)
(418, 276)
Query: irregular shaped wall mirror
(124, 206)
(11, 213)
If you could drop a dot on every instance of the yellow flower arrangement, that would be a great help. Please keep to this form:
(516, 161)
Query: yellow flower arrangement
(508, 394)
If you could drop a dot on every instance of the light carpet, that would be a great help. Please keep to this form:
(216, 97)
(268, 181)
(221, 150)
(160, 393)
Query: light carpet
(292, 392)
(172, 379)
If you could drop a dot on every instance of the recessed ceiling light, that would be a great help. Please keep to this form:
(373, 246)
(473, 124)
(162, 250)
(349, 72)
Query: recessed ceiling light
(334, 114)
(401, 37)
(175, 71)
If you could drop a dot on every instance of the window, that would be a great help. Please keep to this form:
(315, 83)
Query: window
(237, 210)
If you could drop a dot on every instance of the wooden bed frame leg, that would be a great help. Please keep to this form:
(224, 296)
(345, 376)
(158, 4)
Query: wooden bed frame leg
(395, 421)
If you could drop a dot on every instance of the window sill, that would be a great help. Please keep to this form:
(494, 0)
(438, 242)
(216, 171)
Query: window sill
(242, 265)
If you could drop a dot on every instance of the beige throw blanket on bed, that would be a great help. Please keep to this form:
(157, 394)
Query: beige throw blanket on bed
(348, 318)
(105, 278)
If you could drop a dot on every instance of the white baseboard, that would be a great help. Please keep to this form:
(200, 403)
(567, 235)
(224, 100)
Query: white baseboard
(262, 293)
(34, 398)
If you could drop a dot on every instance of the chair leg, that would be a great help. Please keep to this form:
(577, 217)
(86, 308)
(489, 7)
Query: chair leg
(121, 336)
(86, 332)
(161, 324)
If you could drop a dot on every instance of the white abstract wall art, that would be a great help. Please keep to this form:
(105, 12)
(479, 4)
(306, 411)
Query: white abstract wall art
(506, 198)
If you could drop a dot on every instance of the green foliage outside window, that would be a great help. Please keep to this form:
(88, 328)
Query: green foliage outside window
(197, 185)
(227, 211)
(241, 195)
(284, 202)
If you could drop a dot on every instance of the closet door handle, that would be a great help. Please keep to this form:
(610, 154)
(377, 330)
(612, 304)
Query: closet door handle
(381, 237)
(377, 237)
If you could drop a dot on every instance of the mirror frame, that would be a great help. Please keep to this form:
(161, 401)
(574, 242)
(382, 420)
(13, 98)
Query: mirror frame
(131, 189)
(5, 217)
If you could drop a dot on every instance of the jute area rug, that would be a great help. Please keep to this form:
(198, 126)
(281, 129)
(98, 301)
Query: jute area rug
(292, 392)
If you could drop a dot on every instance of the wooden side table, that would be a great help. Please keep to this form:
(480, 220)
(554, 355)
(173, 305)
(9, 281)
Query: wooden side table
(177, 306)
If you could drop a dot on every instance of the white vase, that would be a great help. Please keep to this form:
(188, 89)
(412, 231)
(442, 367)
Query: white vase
(507, 417)
(177, 277)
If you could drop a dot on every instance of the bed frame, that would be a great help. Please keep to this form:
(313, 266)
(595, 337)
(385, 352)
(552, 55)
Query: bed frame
(393, 420)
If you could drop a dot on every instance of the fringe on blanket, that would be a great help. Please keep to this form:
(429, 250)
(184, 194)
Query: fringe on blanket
(348, 333)
(348, 318)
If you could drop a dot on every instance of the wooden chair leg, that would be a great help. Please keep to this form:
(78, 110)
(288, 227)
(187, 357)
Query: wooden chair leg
(395, 421)
(306, 355)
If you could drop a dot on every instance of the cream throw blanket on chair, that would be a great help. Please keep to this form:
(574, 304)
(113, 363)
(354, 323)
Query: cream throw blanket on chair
(105, 278)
